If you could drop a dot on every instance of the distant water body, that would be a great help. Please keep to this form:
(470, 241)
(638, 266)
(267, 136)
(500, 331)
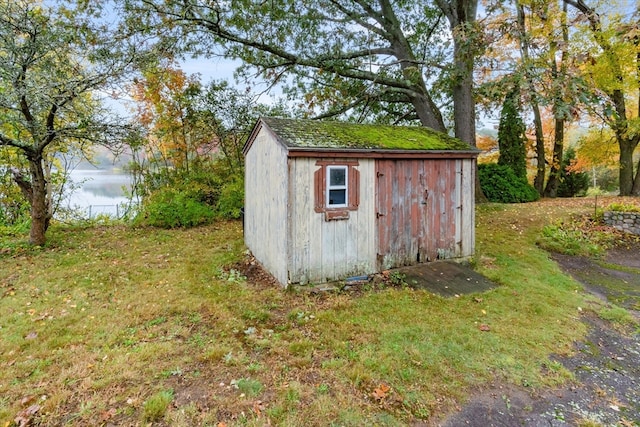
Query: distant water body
(100, 191)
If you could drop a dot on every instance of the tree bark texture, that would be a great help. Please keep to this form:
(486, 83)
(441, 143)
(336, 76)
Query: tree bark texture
(555, 171)
(461, 15)
(40, 215)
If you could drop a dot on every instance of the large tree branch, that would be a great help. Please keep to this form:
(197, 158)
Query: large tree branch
(325, 62)
(10, 142)
(21, 89)
(357, 18)
(23, 184)
(341, 110)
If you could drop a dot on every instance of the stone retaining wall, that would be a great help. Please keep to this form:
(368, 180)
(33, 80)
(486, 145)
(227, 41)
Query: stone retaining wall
(625, 221)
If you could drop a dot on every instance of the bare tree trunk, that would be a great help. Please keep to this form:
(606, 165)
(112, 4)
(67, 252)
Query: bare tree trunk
(40, 216)
(541, 156)
(626, 165)
(551, 190)
(462, 18)
(541, 160)
(49, 189)
(426, 109)
(635, 190)
(559, 74)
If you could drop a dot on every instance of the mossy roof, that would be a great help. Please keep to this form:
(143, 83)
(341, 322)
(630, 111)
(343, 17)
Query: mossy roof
(332, 135)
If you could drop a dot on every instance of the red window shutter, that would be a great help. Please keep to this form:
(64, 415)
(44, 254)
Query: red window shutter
(319, 186)
(354, 188)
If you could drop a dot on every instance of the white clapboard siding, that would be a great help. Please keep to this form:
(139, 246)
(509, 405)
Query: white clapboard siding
(321, 250)
(468, 220)
(465, 214)
(266, 204)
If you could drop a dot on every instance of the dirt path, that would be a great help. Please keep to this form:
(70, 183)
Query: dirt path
(606, 365)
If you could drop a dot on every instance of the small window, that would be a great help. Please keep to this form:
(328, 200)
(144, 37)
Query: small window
(337, 190)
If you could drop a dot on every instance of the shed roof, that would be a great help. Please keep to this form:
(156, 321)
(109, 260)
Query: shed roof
(332, 134)
(305, 137)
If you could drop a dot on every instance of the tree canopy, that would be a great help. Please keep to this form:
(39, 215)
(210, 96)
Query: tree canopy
(384, 59)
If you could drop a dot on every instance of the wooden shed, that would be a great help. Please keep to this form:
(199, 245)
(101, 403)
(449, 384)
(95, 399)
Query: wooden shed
(326, 201)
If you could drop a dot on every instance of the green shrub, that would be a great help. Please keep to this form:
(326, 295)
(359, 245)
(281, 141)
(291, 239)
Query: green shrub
(187, 198)
(171, 208)
(500, 184)
(621, 207)
(231, 199)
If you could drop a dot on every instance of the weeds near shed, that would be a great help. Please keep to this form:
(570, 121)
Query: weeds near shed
(397, 279)
(155, 407)
(582, 236)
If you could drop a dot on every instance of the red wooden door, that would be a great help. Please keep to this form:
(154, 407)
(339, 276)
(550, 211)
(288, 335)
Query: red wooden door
(415, 210)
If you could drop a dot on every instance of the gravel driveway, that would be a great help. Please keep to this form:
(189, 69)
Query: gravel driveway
(606, 365)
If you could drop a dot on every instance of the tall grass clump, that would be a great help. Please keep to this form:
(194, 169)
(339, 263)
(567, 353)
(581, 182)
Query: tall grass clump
(568, 240)
(155, 407)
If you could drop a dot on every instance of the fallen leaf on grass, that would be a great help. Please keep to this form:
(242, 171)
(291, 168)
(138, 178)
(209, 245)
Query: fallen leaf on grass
(107, 415)
(31, 336)
(381, 392)
(484, 328)
(258, 407)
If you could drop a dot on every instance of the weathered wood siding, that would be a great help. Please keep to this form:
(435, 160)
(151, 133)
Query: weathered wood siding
(466, 226)
(425, 210)
(266, 204)
(321, 250)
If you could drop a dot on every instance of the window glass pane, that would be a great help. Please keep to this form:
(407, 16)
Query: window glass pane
(337, 197)
(337, 176)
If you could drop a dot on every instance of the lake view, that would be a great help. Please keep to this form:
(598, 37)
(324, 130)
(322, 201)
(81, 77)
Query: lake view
(101, 191)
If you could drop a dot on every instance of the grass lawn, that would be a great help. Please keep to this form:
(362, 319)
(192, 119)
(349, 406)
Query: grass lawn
(125, 326)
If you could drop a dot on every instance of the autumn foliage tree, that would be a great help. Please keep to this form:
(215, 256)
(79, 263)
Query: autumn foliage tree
(165, 99)
(530, 49)
(612, 69)
(189, 154)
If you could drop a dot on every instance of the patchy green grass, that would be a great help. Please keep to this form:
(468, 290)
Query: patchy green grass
(122, 325)
(620, 285)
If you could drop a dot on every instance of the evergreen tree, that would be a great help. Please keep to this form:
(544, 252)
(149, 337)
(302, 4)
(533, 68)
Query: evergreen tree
(572, 183)
(511, 136)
